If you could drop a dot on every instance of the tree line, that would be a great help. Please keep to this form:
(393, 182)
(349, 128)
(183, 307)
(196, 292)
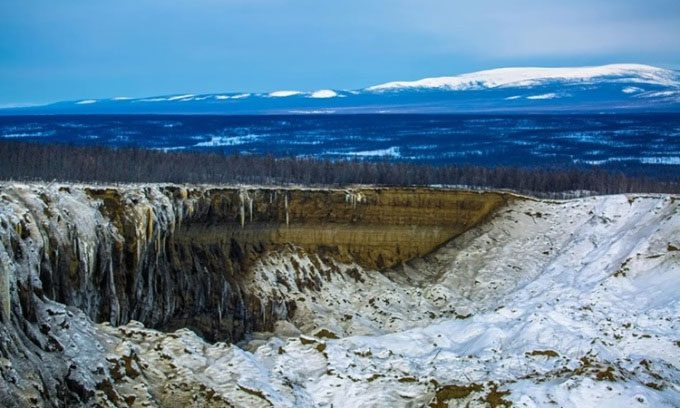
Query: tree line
(47, 162)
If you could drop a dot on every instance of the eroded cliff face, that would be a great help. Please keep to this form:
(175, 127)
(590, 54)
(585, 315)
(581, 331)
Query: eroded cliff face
(377, 228)
(173, 257)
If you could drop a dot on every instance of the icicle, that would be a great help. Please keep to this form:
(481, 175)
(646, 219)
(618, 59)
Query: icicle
(285, 200)
(149, 224)
(250, 208)
(5, 304)
(243, 196)
(157, 245)
(353, 198)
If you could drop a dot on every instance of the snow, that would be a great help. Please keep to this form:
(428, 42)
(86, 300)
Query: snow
(631, 90)
(390, 151)
(283, 94)
(86, 102)
(18, 135)
(665, 160)
(158, 99)
(218, 141)
(180, 97)
(121, 98)
(558, 303)
(661, 94)
(238, 96)
(566, 303)
(550, 95)
(528, 76)
(323, 93)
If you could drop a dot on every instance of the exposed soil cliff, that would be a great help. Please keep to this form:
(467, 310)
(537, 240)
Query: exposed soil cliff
(174, 257)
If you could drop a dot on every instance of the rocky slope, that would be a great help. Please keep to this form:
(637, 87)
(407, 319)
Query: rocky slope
(565, 303)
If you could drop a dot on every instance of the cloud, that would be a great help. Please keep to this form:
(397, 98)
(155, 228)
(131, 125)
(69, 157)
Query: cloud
(547, 28)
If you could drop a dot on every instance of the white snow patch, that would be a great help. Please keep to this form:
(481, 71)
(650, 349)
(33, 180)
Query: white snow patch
(661, 94)
(283, 94)
(28, 134)
(550, 95)
(323, 93)
(86, 102)
(169, 149)
(512, 98)
(239, 96)
(180, 97)
(631, 90)
(666, 160)
(390, 151)
(218, 141)
(528, 76)
(157, 99)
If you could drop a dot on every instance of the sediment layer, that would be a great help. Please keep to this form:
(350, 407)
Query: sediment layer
(174, 256)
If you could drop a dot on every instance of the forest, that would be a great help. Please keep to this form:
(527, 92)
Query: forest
(22, 161)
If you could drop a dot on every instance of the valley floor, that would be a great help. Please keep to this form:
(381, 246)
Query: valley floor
(568, 303)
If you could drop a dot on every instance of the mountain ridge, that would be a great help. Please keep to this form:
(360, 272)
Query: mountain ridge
(613, 87)
(527, 76)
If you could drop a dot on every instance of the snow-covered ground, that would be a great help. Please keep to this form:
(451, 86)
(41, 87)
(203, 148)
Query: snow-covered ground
(571, 303)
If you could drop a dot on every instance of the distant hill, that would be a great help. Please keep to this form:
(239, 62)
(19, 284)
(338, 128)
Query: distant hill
(607, 88)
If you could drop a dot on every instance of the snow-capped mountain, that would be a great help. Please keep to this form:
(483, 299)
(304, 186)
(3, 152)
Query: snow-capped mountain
(533, 76)
(607, 88)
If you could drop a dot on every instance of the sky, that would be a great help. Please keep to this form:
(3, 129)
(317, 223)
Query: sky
(75, 49)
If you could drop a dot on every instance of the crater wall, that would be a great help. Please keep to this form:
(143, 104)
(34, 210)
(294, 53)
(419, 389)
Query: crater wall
(172, 256)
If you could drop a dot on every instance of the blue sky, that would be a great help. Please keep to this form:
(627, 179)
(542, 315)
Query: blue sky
(71, 49)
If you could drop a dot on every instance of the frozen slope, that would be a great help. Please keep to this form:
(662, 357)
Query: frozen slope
(571, 303)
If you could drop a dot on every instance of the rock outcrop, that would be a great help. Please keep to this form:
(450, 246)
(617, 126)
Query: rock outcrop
(174, 257)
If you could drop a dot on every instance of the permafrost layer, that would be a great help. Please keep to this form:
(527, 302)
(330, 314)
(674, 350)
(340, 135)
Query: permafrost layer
(174, 257)
(336, 298)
